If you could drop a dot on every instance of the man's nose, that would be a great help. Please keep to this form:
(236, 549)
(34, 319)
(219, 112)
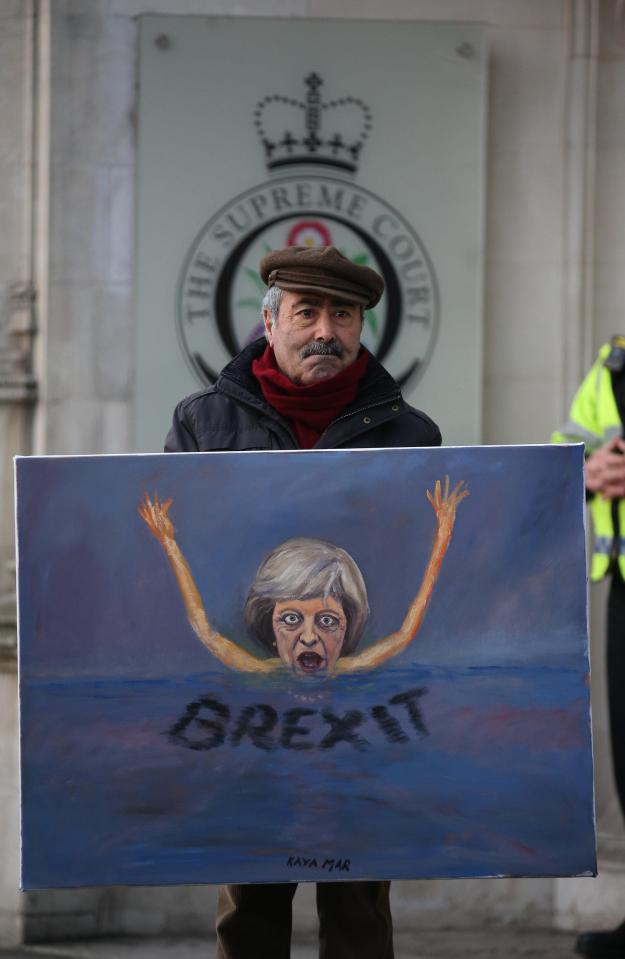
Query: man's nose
(324, 327)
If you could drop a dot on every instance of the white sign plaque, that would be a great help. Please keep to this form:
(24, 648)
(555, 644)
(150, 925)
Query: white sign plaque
(257, 134)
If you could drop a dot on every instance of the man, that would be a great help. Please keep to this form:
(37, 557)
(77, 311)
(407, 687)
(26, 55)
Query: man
(596, 419)
(309, 384)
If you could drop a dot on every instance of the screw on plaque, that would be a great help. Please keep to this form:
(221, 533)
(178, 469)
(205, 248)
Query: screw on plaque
(466, 50)
(163, 42)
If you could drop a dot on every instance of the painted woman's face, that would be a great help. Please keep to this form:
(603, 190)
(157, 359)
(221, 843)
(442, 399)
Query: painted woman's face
(309, 634)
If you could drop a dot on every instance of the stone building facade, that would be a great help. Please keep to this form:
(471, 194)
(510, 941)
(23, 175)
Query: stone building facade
(554, 281)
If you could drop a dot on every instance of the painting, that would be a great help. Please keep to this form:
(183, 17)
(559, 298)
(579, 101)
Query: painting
(307, 665)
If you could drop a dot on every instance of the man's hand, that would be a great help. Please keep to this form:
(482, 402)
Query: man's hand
(445, 503)
(154, 514)
(604, 470)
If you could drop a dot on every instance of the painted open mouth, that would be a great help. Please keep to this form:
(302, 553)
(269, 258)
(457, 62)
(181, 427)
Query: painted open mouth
(310, 662)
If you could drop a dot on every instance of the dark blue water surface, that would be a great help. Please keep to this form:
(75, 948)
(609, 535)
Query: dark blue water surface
(476, 772)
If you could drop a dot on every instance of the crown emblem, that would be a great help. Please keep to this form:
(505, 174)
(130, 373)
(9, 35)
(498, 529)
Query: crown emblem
(329, 133)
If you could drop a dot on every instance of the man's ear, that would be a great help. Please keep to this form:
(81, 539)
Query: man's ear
(268, 321)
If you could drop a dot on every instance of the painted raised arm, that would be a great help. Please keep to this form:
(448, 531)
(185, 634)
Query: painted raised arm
(445, 504)
(156, 517)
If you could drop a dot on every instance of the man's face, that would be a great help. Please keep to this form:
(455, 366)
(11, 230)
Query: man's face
(315, 336)
(309, 634)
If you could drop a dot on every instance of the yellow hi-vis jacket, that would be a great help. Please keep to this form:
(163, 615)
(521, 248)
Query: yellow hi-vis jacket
(594, 420)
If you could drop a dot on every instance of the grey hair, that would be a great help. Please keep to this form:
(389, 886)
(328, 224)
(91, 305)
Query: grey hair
(271, 302)
(303, 569)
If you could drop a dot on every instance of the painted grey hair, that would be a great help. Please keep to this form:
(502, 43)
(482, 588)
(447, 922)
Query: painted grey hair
(271, 302)
(307, 569)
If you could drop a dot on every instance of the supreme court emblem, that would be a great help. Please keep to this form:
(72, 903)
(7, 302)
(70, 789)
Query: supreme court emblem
(312, 149)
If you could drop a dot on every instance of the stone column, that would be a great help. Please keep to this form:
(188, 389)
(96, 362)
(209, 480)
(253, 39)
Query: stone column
(17, 400)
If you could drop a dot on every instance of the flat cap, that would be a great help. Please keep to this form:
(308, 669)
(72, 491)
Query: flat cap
(321, 269)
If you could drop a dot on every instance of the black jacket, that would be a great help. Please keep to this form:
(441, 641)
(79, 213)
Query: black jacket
(233, 415)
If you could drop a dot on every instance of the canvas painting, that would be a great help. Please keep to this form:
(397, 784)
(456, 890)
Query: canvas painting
(308, 665)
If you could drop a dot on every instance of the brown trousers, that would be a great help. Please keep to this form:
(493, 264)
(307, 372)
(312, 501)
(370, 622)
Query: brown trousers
(254, 922)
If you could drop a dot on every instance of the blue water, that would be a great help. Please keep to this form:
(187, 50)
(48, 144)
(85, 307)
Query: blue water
(470, 772)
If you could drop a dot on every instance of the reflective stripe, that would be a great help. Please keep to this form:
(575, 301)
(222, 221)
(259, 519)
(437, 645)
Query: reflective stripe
(603, 549)
(603, 545)
(601, 510)
(575, 432)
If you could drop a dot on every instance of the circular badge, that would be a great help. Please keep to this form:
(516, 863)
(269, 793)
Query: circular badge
(220, 292)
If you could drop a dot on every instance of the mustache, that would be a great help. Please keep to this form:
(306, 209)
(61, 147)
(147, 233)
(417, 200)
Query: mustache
(319, 348)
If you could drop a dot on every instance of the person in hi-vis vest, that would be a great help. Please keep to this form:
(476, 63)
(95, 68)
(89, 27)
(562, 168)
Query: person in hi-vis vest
(597, 419)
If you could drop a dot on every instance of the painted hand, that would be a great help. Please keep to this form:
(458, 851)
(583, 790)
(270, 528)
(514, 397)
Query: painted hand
(154, 514)
(445, 503)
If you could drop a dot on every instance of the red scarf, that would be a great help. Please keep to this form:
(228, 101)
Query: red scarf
(309, 409)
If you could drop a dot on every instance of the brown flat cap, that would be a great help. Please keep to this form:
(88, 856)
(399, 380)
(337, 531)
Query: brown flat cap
(322, 269)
